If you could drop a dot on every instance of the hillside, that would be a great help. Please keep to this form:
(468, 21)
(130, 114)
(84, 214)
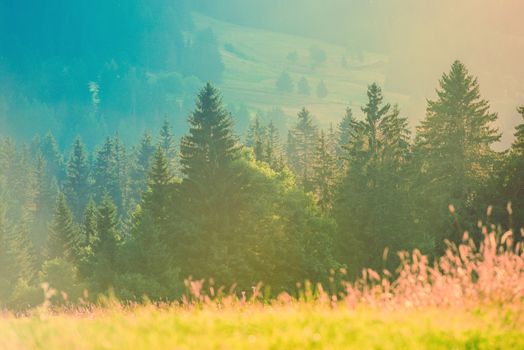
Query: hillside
(255, 58)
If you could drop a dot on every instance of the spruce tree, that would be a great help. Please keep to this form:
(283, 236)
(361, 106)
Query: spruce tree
(513, 175)
(141, 165)
(304, 136)
(77, 179)
(324, 174)
(54, 160)
(211, 186)
(166, 141)
(255, 138)
(89, 230)
(110, 172)
(105, 247)
(453, 153)
(272, 152)
(371, 205)
(63, 241)
(210, 146)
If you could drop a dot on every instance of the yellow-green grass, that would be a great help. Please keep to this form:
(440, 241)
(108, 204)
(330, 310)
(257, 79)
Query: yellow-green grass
(299, 326)
(260, 56)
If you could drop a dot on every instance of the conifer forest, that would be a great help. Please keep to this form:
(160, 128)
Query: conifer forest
(234, 170)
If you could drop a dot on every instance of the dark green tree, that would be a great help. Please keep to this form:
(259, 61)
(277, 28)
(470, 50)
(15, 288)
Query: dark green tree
(303, 138)
(454, 158)
(324, 173)
(211, 186)
(77, 186)
(371, 205)
(105, 248)
(256, 135)
(167, 141)
(63, 239)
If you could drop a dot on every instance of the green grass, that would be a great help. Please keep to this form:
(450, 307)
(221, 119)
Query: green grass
(259, 57)
(257, 327)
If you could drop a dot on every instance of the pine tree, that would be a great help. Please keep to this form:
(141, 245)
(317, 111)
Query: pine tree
(63, 241)
(89, 230)
(158, 199)
(166, 141)
(211, 187)
(21, 249)
(141, 165)
(272, 152)
(110, 172)
(324, 174)
(45, 194)
(513, 175)
(210, 146)
(304, 135)
(77, 179)
(371, 205)
(345, 129)
(105, 248)
(53, 157)
(453, 153)
(255, 138)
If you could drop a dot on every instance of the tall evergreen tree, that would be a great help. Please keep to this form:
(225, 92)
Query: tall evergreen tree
(513, 178)
(304, 136)
(211, 187)
(371, 205)
(141, 165)
(110, 172)
(324, 173)
(77, 185)
(63, 241)
(453, 153)
(255, 138)
(272, 152)
(167, 141)
(53, 156)
(106, 245)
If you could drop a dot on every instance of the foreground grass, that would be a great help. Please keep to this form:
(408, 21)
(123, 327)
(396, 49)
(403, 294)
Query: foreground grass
(264, 327)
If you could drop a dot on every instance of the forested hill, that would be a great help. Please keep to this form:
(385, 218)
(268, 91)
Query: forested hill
(96, 67)
(92, 67)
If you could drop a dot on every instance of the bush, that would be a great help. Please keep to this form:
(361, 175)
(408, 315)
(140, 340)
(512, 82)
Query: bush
(285, 83)
(62, 276)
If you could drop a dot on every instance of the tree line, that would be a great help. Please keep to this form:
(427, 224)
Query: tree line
(140, 220)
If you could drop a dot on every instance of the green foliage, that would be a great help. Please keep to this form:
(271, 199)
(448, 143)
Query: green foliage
(244, 215)
(63, 240)
(301, 147)
(77, 185)
(371, 208)
(453, 154)
(62, 276)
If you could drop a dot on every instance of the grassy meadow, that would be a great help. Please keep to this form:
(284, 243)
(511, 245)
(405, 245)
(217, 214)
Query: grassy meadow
(426, 306)
(293, 326)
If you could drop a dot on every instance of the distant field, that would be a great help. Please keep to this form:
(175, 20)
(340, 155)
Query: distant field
(255, 58)
(256, 327)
